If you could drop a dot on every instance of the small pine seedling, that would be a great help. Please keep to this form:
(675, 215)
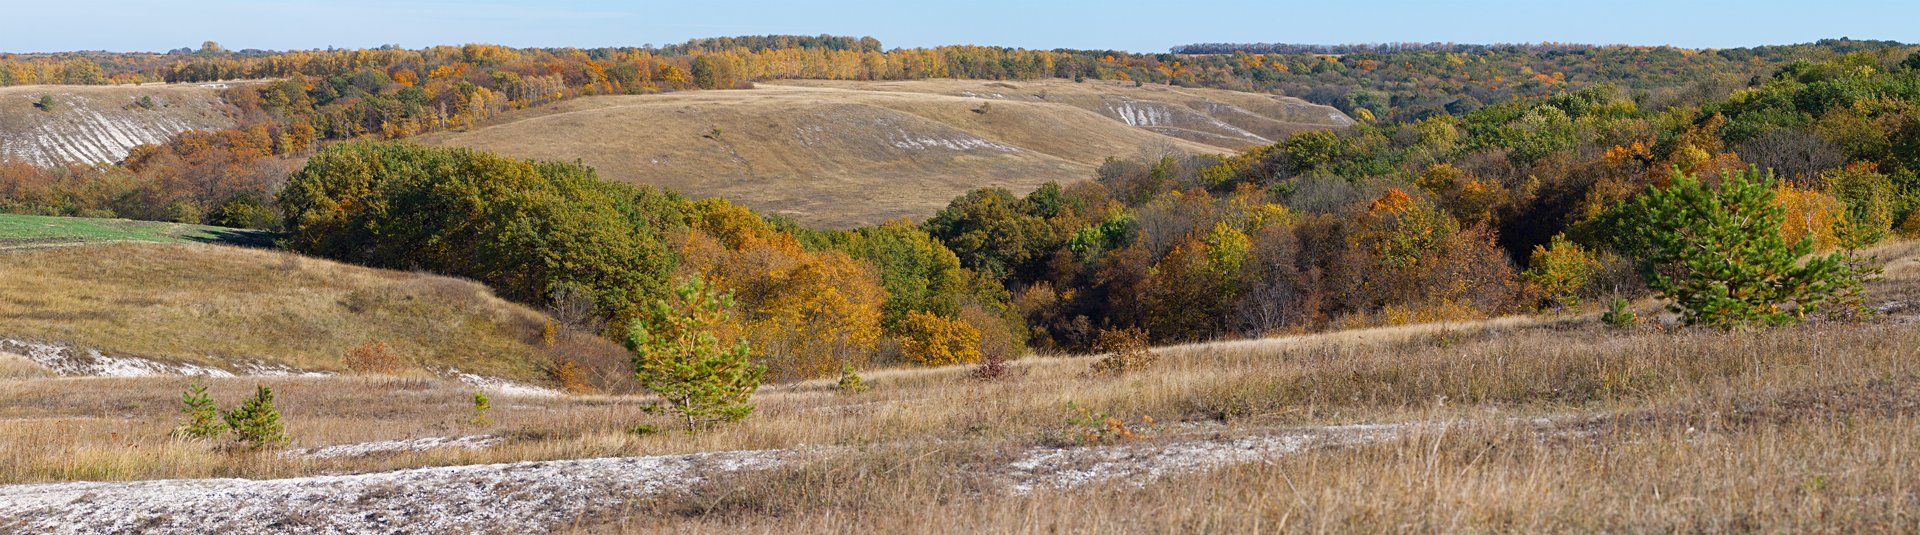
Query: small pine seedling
(480, 407)
(255, 423)
(200, 417)
(1618, 317)
(850, 382)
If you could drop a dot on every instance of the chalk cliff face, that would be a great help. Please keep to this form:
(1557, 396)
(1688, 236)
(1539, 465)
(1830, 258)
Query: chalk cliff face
(98, 124)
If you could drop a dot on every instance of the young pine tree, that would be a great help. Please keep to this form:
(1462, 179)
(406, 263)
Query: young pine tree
(678, 355)
(255, 423)
(1719, 255)
(200, 418)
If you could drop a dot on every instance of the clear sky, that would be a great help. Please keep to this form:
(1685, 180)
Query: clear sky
(1134, 25)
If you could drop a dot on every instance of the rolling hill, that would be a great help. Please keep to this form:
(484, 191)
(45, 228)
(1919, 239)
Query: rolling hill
(98, 124)
(838, 154)
(141, 308)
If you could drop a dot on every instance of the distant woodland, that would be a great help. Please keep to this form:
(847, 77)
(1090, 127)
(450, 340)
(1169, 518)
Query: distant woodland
(1480, 180)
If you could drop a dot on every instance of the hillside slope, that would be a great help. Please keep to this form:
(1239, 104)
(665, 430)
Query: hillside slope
(845, 153)
(252, 311)
(97, 124)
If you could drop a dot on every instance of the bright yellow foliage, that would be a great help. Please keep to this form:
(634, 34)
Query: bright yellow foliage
(1811, 214)
(937, 341)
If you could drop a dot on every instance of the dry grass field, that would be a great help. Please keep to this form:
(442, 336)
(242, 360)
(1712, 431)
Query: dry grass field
(839, 154)
(233, 308)
(97, 124)
(1525, 424)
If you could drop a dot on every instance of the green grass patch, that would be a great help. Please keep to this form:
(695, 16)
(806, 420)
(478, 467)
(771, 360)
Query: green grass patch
(29, 230)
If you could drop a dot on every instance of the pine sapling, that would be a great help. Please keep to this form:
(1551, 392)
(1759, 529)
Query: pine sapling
(255, 423)
(481, 406)
(850, 382)
(678, 355)
(200, 417)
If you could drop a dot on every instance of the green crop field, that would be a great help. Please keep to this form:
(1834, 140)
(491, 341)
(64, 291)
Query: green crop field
(33, 230)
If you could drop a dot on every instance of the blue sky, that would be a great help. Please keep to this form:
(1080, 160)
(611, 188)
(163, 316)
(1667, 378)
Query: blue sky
(1135, 25)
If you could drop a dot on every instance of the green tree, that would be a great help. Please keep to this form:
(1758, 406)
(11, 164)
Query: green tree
(525, 228)
(200, 417)
(1718, 253)
(992, 231)
(678, 355)
(255, 423)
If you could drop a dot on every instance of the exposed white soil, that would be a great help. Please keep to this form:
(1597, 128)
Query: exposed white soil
(99, 124)
(526, 497)
(73, 362)
(68, 361)
(1066, 468)
(363, 449)
(503, 387)
(538, 496)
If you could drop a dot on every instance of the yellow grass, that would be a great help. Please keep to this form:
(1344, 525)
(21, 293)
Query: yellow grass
(228, 306)
(1808, 428)
(839, 154)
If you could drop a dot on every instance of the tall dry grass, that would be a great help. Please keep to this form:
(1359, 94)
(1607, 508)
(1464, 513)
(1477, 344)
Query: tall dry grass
(228, 306)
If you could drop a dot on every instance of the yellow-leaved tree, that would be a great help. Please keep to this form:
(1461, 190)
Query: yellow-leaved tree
(808, 313)
(938, 340)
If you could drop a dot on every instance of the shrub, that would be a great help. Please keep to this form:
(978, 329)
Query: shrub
(992, 367)
(200, 417)
(373, 356)
(1719, 254)
(1126, 351)
(46, 103)
(678, 355)
(570, 377)
(1085, 427)
(1869, 199)
(245, 212)
(255, 423)
(935, 340)
(1559, 270)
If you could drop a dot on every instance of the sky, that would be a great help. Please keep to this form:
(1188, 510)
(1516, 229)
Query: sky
(1131, 25)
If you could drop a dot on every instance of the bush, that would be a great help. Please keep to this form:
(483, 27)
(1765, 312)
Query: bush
(1559, 270)
(373, 357)
(570, 377)
(938, 340)
(992, 367)
(678, 355)
(1719, 254)
(255, 423)
(1126, 351)
(201, 418)
(245, 212)
(1869, 199)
